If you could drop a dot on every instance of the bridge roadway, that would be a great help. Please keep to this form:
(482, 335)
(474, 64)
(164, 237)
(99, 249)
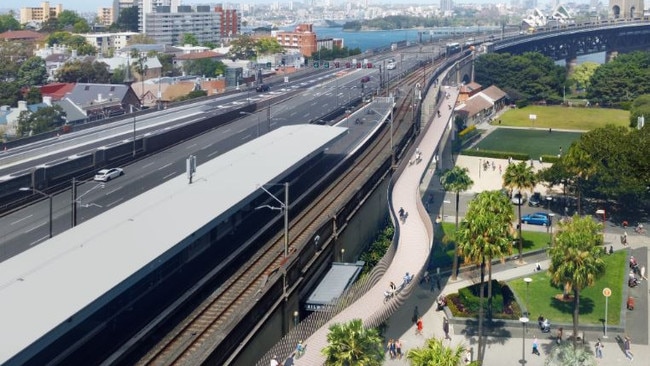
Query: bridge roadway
(415, 237)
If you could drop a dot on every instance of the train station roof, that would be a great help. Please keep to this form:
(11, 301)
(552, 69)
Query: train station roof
(51, 288)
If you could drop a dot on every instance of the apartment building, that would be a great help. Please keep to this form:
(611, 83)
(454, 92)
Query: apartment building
(39, 15)
(169, 27)
(104, 42)
(106, 16)
(303, 39)
(230, 22)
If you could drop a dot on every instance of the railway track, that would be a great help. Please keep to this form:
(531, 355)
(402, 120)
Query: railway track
(188, 342)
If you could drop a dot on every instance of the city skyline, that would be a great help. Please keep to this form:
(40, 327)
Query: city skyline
(85, 6)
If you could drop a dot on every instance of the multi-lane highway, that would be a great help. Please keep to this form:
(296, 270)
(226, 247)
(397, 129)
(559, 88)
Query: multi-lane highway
(304, 100)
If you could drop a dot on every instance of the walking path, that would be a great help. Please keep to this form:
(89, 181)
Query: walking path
(415, 239)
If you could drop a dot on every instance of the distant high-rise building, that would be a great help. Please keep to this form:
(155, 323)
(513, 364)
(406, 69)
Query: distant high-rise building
(42, 14)
(106, 16)
(230, 24)
(119, 5)
(446, 5)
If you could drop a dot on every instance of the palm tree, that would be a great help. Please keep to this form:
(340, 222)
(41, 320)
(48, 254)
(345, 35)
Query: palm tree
(456, 180)
(486, 234)
(564, 354)
(580, 166)
(351, 344)
(434, 352)
(521, 177)
(576, 259)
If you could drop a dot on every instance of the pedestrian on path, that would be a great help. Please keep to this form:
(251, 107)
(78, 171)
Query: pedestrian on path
(445, 328)
(536, 347)
(420, 327)
(599, 349)
(416, 315)
(398, 348)
(558, 340)
(627, 347)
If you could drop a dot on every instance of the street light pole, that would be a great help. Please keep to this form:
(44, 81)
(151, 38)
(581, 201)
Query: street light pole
(528, 280)
(49, 197)
(524, 321)
(132, 112)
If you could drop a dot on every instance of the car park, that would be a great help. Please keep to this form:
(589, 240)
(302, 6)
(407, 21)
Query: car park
(537, 218)
(535, 199)
(262, 88)
(105, 175)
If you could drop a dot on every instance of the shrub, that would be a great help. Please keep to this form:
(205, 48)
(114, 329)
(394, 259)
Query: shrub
(467, 302)
(496, 154)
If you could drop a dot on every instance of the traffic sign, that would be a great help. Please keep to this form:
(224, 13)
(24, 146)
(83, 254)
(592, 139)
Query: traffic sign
(326, 65)
(607, 292)
(268, 64)
(315, 65)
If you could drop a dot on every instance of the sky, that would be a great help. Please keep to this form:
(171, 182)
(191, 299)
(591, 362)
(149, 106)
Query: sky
(93, 5)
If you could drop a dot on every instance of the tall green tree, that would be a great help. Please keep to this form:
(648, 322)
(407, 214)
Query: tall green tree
(434, 352)
(519, 176)
(204, 67)
(456, 180)
(10, 93)
(8, 22)
(581, 76)
(640, 107)
(32, 72)
(268, 45)
(576, 259)
(485, 234)
(242, 48)
(580, 166)
(77, 71)
(43, 120)
(190, 38)
(621, 80)
(351, 344)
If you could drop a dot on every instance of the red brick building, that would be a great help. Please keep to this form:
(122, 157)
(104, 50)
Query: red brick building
(230, 24)
(302, 39)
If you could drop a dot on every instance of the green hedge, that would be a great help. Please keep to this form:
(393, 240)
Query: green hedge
(467, 302)
(496, 154)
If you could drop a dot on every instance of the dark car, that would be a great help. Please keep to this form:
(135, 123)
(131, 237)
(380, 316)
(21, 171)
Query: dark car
(535, 200)
(537, 218)
(365, 79)
(262, 88)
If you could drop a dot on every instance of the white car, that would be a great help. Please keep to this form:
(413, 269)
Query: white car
(105, 175)
(391, 66)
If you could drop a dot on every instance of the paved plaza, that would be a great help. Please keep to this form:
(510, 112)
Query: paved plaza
(505, 345)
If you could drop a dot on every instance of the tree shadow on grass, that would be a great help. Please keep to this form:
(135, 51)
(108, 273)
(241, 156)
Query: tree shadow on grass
(566, 306)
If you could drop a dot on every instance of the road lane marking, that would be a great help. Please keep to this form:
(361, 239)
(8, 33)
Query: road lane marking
(213, 153)
(147, 165)
(34, 227)
(38, 241)
(115, 202)
(19, 220)
(169, 175)
(165, 166)
(190, 147)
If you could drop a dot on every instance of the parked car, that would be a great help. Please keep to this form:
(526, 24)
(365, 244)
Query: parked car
(262, 88)
(537, 218)
(105, 175)
(535, 200)
(518, 198)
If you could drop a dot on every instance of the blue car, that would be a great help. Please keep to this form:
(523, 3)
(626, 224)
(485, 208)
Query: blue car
(537, 218)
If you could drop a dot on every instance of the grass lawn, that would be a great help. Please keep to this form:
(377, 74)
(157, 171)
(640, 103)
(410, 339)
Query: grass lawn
(541, 295)
(533, 142)
(565, 118)
(443, 244)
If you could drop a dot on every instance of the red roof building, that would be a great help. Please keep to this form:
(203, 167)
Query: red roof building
(56, 91)
(22, 35)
